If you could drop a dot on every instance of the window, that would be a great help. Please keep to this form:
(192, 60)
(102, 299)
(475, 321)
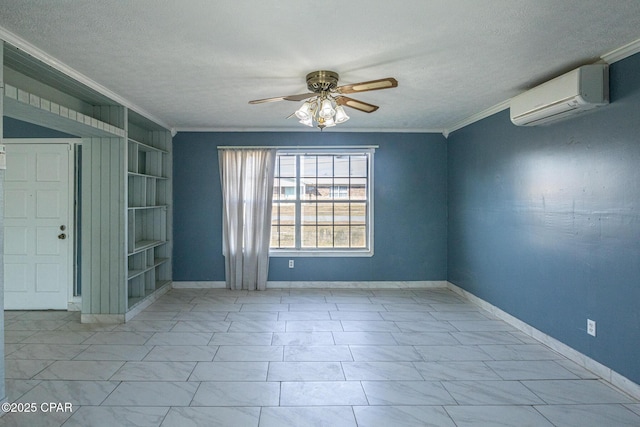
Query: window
(322, 203)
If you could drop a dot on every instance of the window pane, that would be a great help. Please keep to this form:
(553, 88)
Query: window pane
(286, 166)
(341, 166)
(325, 236)
(325, 166)
(358, 189)
(341, 213)
(309, 236)
(341, 236)
(324, 188)
(309, 189)
(309, 214)
(283, 213)
(358, 237)
(287, 236)
(325, 213)
(358, 166)
(358, 213)
(308, 166)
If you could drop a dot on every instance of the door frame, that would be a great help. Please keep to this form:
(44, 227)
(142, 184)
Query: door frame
(73, 300)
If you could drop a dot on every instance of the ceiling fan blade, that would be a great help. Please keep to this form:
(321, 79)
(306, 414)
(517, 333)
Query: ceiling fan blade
(387, 83)
(358, 105)
(298, 97)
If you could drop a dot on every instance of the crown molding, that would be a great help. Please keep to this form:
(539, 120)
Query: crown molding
(304, 129)
(622, 52)
(44, 57)
(477, 117)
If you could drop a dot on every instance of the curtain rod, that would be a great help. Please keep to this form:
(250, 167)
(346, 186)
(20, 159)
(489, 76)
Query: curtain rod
(297, 147)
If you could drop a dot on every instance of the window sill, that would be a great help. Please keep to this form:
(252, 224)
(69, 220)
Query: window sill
(283, 253)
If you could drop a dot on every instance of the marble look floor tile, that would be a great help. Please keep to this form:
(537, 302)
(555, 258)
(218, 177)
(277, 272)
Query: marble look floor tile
(426, 308)
(264, 307)
(558, 392)
(257, 326)
(179, 338)
(252, 316)
(369, 325)
(57, 337)
(530, 370)
(481, 325)
(249, 353)
(407, 316)
(453, 307)
(449, 371)
(297, 416)
(380, 371)
(16, 388)
(241, 338)
(576, 369)
(161, 306)
(146, 326)
(313, 325)
(479, 338)
(364, 338)
(497, 416)
(424, 338)
(390, 393)
(307, 299)
(11, 337)
(451, 353)
(402, 416)
(520, 352)
(75, 392)
(232, 393)
(304, 315)
(152, 393)
(305, 371)
(111, 416)
(589, 415)
(212, 416)
(154, 371)
(460, 315)
(201, 316)
(91, 370)
(34, 419)
(230, 371)
(491, 393)
(302, 338)
(321, 307)
(24, 369)
(182, 353)
(34, 325)
(392, 299)
(425, 326)
(356, 315)
(132, 338)
(322, 393)
(635, 407)
(382, 353)
(122, 352)
(47, 351)
(314, 353)
(360, 307)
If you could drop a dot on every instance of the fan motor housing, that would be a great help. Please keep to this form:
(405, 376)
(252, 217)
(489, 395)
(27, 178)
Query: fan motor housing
(322, 81)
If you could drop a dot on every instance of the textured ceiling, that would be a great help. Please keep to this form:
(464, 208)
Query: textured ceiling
(195, 64)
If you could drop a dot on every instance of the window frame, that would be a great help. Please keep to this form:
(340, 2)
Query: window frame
(300, 251)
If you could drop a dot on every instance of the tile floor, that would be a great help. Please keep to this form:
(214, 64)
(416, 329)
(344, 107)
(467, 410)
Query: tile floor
(300, 358)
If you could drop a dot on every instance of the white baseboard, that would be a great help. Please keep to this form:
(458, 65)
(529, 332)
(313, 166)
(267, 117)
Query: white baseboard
(609, 375)
(325, 284)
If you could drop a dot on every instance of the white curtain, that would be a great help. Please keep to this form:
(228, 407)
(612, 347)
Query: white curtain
(247, 193)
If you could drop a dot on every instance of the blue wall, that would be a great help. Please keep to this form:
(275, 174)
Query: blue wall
(544, 222)
(410, 214)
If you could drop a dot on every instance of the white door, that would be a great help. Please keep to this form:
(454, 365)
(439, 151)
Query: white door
(38, 245)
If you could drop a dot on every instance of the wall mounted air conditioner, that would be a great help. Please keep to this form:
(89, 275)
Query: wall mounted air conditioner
(572, 93)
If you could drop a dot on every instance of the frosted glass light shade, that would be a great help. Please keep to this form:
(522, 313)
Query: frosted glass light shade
(326, 109)
(304, 112)
(341, 115)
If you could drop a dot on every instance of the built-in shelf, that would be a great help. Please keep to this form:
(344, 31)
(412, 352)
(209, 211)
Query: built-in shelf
(22, 105)
(148, 212)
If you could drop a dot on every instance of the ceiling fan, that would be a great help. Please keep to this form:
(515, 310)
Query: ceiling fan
(324, 105)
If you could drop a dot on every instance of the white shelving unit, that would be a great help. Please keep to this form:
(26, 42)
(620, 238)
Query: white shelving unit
(148, 210)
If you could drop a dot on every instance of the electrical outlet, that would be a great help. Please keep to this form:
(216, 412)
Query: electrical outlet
(291, 263)
(591, 327)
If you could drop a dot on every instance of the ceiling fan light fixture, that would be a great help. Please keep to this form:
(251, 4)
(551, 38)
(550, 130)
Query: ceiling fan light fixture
(307, 122)
(341, 115)
(304, 112)
(326, 109)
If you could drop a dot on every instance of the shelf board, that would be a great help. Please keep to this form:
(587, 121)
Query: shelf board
(141, 245)
(144, 175)
(22, 105)
(146, 147)
(147, 207)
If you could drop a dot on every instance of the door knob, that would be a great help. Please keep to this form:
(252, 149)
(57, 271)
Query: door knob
(62, 236)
